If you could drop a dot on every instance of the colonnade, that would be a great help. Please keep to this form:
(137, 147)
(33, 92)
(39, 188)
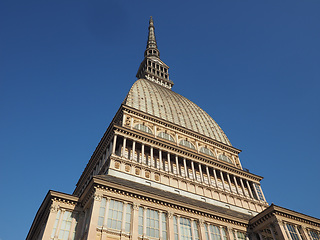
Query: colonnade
(186, 168)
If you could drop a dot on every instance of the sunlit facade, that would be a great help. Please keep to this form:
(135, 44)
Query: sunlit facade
(164, 169)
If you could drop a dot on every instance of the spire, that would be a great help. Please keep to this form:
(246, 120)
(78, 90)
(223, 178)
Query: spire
(151, 49)
(152, 68)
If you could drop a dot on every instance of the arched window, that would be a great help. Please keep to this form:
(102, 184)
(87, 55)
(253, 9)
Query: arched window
(143, 128)
(224, 158)
(166, 136)
(187, 144)
(206, 151)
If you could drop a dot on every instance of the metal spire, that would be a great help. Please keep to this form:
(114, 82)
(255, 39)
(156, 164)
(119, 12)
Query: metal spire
(151, 49)
(152, 68)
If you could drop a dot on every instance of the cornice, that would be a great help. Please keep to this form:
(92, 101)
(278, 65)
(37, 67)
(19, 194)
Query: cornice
(283, 213)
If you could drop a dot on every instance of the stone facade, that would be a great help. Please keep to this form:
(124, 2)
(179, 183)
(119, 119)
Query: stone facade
(164, 169)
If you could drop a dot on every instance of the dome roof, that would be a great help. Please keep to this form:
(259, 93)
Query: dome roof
(159, 101)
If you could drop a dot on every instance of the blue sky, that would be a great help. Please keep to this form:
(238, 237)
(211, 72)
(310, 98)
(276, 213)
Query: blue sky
(66, 66)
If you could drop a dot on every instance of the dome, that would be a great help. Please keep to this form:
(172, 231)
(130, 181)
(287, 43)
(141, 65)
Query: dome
(159, 101)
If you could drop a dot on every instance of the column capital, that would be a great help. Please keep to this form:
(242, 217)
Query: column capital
(136, 206)
(97, 197)
(170, 214)
(54, 208)
(201, 222)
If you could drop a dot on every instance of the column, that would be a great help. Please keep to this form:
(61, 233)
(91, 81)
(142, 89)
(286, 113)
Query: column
(278, 224)
(221, 231)
(133, 149)
(243, 188)
(202, 229)
(193, 171)
(160, 224)
(236, 234)
(92, 230)
(297, 231)
(160, 159)
(151, 157)
(135, 221)
(51, 220)
(177, 164)
(192, 229)
(236, 183)
(56, 234)
(208, 174)
(170, 230)
(201, 175)
(230, 233)
(305, 233)
(114, 144)
(215, 177)
(123, 146)
(228, 177)
(185, 167)
(169, 162)
(255, 191)
(142, 154)
(272, 233)
(260, 236)
(222, 179)
(249, 189)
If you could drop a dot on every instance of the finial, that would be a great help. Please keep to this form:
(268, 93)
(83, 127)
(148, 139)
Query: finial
(151, 21)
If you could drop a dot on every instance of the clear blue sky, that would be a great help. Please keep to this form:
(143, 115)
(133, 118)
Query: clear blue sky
(66, 66)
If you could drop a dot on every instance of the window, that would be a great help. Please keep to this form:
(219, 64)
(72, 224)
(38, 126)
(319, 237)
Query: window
(241, 236)
(224, 158)
(112, 212)
(143, 128)
(156, 223)
(292, 231)
(314, 235)
(187, 144)
(257, 187)
(188, 229)
(152, 228)
(66, 219)
(115, 215)
(206, 151)
(166, 136)
(214, 233)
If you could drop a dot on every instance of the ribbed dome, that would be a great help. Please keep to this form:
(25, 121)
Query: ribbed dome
(154, 99)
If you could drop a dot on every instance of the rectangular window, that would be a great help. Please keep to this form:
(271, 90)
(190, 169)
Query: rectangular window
(65, 227)
(258, 189)
(115, 215)
(195, 230)
(314, 235)
(102, 211)
(175, 228)
(292, 231)
(140, 221)
(128, 218)
(185, 229)
(207, 232)
(164, 226)
(152, 228)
